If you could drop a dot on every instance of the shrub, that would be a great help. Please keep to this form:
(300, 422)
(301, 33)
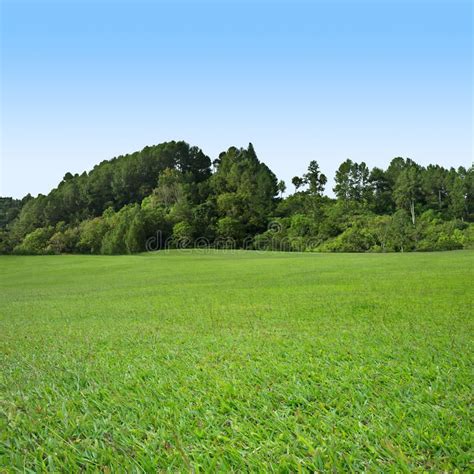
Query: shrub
(36, 242)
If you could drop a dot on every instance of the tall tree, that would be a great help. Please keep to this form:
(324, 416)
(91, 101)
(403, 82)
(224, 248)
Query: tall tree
(297, 182)
(457, 197)
(245, 190)
(407, 189)
(434, 186)
(382, 198)
(315, 180)
(281, 187)
(343, 180)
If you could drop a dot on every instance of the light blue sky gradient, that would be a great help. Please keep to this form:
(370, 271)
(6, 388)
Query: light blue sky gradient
(325, 80)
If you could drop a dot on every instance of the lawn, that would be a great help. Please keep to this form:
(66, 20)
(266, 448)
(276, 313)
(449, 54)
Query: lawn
(208, 361)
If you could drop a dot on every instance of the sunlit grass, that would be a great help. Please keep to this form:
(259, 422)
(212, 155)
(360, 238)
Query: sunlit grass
(236, 361)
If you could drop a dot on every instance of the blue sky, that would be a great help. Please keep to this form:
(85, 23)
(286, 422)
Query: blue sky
(326, 80)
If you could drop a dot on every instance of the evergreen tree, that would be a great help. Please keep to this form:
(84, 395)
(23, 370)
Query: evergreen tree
(315, 180)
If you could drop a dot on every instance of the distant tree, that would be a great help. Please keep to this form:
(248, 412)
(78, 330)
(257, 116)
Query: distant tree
(244, 190)
(281, 187)
(362, 185)
(183, 234)
(36, 242)
(407, 189)
(168, 190)
(91, 234)
(401, 232)
(315, 179)
(380, 227)
(457, 197)
(170, 187)
(135, 236)
(434, 186)
(352, 182)
(9, 210)
(382, 199)
(343, 180)
(396, 166)
(297, 182)
(230, 228)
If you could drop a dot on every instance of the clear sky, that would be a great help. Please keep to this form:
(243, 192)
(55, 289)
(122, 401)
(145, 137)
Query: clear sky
(83, 81)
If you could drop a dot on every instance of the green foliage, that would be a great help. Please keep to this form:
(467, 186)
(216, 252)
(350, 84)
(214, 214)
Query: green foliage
(230, 228)
(64, 241)
(357, 238)
(167, 193)
(246, 191)
(183, 234)
(135, 235)
(115, 183)
(315, 180)
(437, 234)
(7, 244)
(408, 189)
(9, 210)
(381, 186)
(91, 234)
(352, 182)
(36, 242)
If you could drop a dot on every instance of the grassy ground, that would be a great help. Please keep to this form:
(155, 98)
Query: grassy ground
(243, 361)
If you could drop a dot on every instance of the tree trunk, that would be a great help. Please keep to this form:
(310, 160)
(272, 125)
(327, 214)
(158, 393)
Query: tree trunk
(412, 210)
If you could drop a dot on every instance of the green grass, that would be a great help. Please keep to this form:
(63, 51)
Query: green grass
(236, 361)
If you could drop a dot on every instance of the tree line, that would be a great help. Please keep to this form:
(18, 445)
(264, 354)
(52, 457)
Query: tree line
(175, 189)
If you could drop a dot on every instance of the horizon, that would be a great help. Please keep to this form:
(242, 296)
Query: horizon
(84, 82)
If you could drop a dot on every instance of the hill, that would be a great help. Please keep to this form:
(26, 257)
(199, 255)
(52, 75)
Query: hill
(173, 191)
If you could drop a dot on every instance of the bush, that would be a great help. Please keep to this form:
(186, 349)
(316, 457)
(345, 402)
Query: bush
(183, 234)
(353, 239)
(440, 235)
(91, 234)
(64, 241)
(36, 242)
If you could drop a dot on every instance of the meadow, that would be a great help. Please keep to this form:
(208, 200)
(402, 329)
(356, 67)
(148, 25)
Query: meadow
(219, 361)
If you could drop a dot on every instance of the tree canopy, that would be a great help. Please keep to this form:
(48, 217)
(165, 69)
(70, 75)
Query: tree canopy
(169, 195)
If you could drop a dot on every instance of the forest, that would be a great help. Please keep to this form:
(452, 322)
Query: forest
(174, 191)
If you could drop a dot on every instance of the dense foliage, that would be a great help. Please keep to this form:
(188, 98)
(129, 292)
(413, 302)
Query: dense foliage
(171, 195)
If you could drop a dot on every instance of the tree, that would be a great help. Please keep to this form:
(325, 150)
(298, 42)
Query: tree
(297, 182)
(362, 185)
(230, 228)
(140, 200)
(382, 199)
(244, 189)
(281, 187)
(36, 242)
(380, 228)
(352, 182)
(434, 186)
(315, 179)
(91, 234)
(135, 236)
(457, 198)
(170, 187)
(9, 210)
(343, 180)
(407, 189)
(183, 234)
(401, 232)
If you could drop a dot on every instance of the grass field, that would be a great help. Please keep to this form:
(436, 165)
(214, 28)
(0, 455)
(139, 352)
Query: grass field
(236, 361)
